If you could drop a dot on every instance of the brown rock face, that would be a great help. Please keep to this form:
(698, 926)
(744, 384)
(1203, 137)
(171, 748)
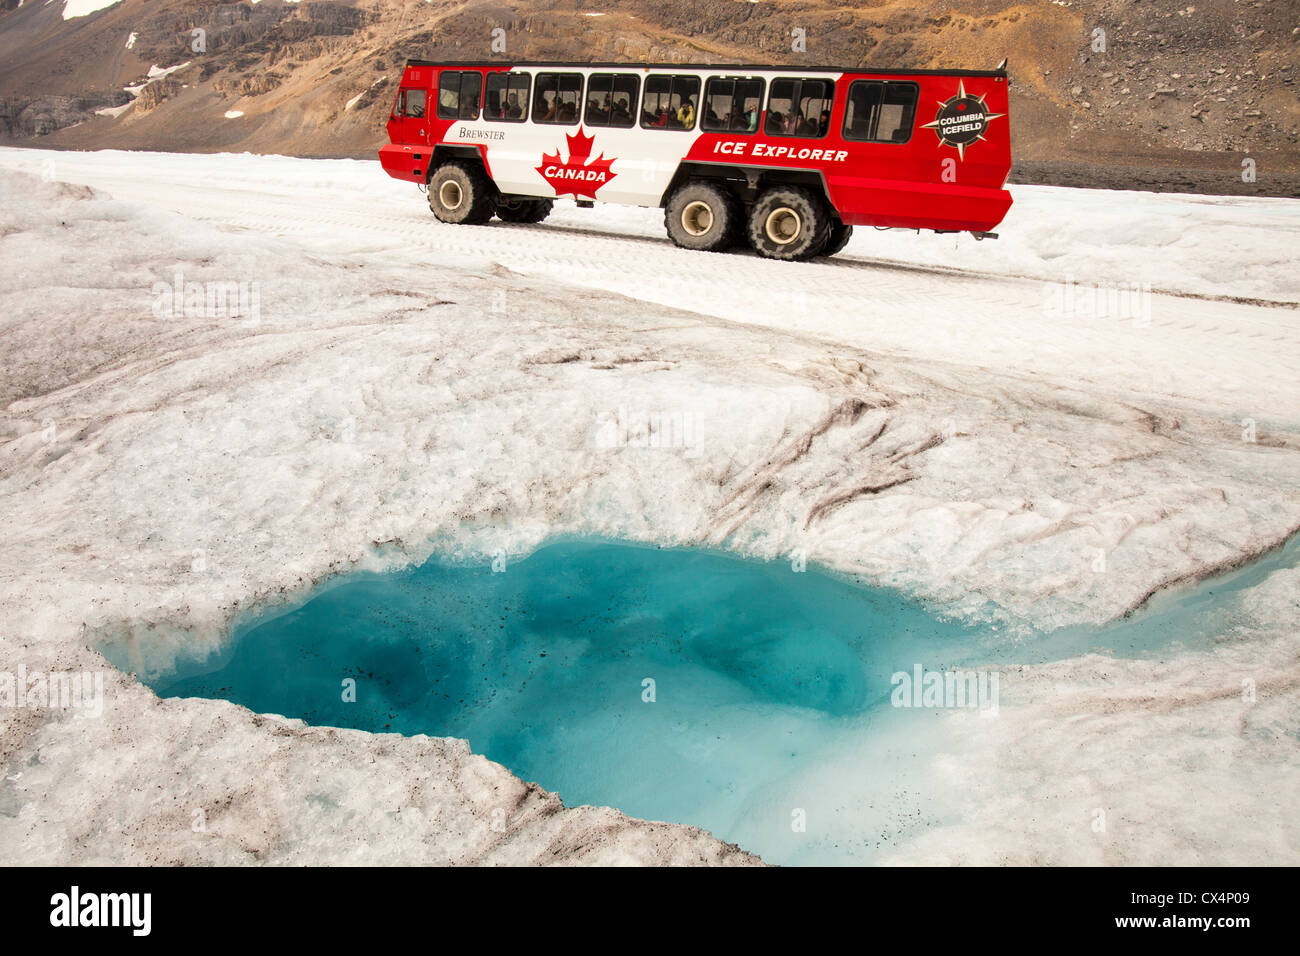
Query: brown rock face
(1097, 82)
(152, 96)
(247, 85)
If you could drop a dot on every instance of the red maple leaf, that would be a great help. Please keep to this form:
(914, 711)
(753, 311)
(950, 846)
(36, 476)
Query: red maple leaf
(576, 177)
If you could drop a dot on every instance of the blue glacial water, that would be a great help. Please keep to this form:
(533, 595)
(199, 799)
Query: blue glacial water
(768, 721)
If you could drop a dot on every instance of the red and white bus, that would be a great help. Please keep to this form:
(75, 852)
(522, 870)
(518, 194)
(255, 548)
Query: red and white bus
(788, 159)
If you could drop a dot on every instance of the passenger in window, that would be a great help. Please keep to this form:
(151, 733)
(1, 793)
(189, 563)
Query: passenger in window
(686, 114)
(512, 110)
(545, 112)
(824, 124)
(622, 115)
(752, 116)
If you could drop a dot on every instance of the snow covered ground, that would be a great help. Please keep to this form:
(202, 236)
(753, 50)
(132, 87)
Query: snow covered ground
(240, 375)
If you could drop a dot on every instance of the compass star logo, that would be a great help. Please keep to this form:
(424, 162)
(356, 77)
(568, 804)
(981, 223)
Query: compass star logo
(961, 120)
(577, 177)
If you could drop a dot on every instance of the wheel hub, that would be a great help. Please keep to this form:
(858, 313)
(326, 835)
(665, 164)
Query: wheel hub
(450, 194)
(697, 218)
(783, 225)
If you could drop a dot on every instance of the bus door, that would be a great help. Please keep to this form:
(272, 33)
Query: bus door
(408, 123)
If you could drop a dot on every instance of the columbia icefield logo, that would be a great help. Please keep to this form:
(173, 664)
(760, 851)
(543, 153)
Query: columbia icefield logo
(961, 120)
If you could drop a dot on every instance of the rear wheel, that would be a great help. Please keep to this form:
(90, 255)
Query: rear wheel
(838, 239)
(788, 222)
(523, 210)
(701, 215)
(460, 193)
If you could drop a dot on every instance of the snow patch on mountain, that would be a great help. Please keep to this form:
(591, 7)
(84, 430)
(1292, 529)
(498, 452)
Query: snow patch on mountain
(84, 8)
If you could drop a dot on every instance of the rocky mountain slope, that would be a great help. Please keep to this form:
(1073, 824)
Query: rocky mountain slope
(1100, 83)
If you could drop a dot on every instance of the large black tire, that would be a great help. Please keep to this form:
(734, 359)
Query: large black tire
(461, 193)
(523, 210)
(789, 222)
(838, 239)
(705, 216)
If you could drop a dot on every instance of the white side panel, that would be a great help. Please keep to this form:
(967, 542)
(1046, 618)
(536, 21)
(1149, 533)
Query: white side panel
(644, 160)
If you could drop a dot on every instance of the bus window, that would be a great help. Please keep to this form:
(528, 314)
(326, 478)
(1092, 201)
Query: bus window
(799, 108)
(471, 89)
(458, 94)
(669, 102)
(411, 104)
(611, 99)
(507, 97)
(862, 108)
(556, 97)
(880, 112)
(897, 112)
(731, 105)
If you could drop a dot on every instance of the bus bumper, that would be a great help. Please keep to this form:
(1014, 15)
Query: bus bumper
(410, 163)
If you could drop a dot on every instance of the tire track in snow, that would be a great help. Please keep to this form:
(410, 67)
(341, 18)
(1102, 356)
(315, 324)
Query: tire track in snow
(1246, 353)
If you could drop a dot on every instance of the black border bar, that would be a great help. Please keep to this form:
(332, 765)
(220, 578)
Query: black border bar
(947, 906)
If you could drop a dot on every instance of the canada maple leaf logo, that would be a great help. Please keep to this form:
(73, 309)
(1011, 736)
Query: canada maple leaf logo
(577, 177)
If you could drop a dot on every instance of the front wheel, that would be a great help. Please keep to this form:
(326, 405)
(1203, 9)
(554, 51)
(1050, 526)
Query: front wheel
(524, 210)
(788, 222)
(460, 193)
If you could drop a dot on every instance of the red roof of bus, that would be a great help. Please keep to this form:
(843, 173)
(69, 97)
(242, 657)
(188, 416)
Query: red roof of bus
(766, 67)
